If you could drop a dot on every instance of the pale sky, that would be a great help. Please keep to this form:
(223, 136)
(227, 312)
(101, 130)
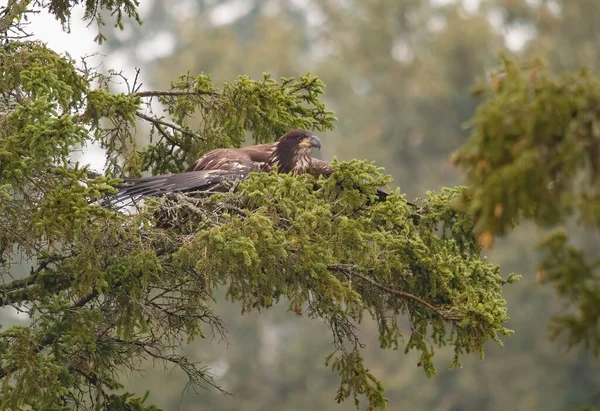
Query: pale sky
(78, 43)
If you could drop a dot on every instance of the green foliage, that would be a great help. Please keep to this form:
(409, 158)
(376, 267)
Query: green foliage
(345, 255)
(576, 280)
(398, 75)
(533, 150)
(129, 402)
(41, 129)
(108, 290)
(269, 108)
(533, 154)
(94, 10)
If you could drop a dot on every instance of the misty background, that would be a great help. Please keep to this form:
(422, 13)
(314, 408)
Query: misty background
(398, 75)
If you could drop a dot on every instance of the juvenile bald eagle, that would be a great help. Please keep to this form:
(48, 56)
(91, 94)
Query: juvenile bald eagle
(291, 154)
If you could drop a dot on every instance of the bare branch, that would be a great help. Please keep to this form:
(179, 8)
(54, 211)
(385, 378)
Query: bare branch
(136, 84)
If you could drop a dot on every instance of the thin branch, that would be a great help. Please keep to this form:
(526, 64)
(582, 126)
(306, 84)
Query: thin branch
(173, 93)
(136, 84)
(158, 122)
(19, 283)
(351, 271)
(51, 337)
(195, 375)
(31, 278)
(27, 293)
(13, 10)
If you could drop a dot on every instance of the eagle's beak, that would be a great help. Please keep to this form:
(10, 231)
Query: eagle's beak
(312, 141)
(315, 142)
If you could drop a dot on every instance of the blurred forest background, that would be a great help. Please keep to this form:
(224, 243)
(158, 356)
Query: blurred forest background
(399, 75)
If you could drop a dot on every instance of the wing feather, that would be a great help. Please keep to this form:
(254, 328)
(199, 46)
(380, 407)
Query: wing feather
(223, 158)
(209, 172)
(204, 180)
(320, 167)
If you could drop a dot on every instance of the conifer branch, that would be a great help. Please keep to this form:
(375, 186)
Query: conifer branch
(158, 122)
(28, 280)
(348, 270)
(173, 93)
(195, 374)
(18, 283)
(51, 337)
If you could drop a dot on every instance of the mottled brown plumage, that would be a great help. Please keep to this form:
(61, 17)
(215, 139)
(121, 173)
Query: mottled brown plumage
(221, 158)
(291, 154)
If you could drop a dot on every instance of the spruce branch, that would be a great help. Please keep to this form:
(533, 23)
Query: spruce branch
(197, 376)
(51, 337)
(352, 272)
(159, 122)
(174, 93)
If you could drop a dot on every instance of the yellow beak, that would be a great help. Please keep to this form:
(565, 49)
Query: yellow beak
(312, 141)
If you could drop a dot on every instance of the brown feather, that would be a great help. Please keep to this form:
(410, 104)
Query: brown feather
(320, 167)
(291, 154)
(215, 159)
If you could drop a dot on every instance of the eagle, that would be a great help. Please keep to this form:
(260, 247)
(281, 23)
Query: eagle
(290, 154)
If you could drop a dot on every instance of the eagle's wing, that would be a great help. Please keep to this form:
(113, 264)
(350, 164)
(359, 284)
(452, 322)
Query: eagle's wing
(259, 153)
(219, 158)
(214, 172)
(320, 167)
(204, 180)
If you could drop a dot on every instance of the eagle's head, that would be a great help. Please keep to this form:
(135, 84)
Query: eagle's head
(292, 153)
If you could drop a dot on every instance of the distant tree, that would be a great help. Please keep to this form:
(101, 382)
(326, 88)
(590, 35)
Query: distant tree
(107, 289)
(534, 154)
